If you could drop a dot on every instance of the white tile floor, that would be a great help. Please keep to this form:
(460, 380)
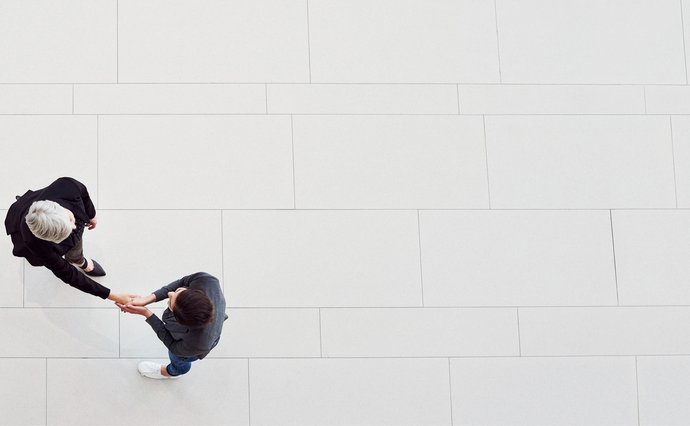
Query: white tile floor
(447, 212)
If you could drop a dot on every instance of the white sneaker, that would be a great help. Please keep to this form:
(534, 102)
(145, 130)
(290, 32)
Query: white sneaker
(152, 370)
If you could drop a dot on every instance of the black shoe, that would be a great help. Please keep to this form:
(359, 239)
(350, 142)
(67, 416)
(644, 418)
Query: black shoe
(97, 270)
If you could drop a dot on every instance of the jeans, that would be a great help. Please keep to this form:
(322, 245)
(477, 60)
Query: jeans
(178, 365)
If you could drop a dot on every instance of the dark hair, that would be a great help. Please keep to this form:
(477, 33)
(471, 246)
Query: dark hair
(193, 308)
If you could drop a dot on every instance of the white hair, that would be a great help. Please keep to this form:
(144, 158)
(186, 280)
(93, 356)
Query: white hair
(47, 220)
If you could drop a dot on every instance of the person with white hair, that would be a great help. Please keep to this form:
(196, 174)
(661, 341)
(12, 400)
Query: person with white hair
(46, 228)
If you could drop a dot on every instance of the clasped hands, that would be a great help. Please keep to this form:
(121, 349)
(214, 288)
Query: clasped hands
(133, 303)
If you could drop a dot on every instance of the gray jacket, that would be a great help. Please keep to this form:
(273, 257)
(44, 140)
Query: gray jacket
(184, 341)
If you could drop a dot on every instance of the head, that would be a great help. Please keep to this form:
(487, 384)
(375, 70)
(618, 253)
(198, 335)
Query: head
(191, 307)
(50, 221)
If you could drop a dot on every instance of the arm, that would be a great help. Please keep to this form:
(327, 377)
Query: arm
(177, 347)
(162, 293)
(70, 275)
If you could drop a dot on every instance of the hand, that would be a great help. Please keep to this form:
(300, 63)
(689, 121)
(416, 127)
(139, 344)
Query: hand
(131, 309)
(123, 298)
(92, 223)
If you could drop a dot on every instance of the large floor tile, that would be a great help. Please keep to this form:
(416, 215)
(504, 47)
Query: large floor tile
(11, 273)
(419, 332)
(59, 332)
(681, 152)
(35, 98)
(512, 258)
(664, 386)
(213, 41)
(590, 41)
(169, 98)
(196, 162)
(667, 99)
(546, 99)
(321, 258)
(580, 162)
(544, 391)
(23, 392)
(350, 392)
(605, 331)
(214, 392)
(36, 150)
(270, 333)
(362, 98)
(397, 162)
(63, 41)
(141, 251)
(652, 248)
(412, 41)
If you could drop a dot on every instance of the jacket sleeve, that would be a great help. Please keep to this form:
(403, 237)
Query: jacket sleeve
(162, 293)
(178, 347)
(70, 275)
(85, 198)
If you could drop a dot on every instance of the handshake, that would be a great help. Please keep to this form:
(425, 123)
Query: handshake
(133, 303)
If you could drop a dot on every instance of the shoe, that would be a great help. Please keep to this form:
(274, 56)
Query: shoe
(97, 270)
(152, 370)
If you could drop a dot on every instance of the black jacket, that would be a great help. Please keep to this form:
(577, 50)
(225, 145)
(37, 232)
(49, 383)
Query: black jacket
(184, 341)
(72, 195)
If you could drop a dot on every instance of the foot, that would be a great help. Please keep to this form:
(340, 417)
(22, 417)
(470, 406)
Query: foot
(153, 370)
(93, 269)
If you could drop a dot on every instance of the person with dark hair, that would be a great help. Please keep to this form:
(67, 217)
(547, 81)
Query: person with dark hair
(46, 228)
(191, 325)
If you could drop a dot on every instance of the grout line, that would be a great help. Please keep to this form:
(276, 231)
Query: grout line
(349, 83)
(517, 312)
(682, 26)
(637, 391)
(337, 209)
(615, 267)
(281, 114)
(266, 96)
(73, 99)
(308, 41)
(119, 335)
(315, 358)
(320, 336)
(249, 394)
(466, 307)
(450, 393)
(294, 187)
(117, 41)
(673, 158)
(419, 241)
(457, 96)
(486, 160)
(498, 49)
(644, 97)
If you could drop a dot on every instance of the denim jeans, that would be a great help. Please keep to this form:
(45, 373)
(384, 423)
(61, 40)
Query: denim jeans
(178, 365)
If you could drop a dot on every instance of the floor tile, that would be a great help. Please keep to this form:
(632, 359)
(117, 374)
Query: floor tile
(681, 154)
(513, 258)
(37, 150)
(169, 98)
(181, 156)
(580, 162)
(589, 41)
(547, 99)
(35, 98)
(652, 247)
(23, 393)
(388, 41)
(362, 98)
(419, 332)
(664, 386)
(667, 99)
(350, 391)
(214, 41)
(544, 391)
(59, 332)
(321, 258)
(63, 41)
(214, 392)
(605, 331)
(389, 162)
